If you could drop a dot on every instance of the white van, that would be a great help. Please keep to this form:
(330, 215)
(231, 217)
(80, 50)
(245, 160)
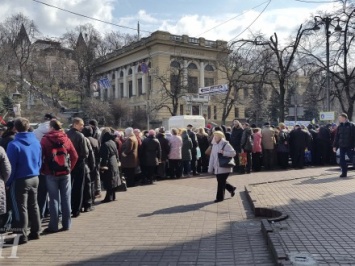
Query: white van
(181, 121)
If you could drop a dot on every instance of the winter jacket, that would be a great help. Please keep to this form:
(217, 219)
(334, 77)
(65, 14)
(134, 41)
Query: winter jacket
(129, 155)
(164, 145)
(268, 140)
(324, 134)
(41, 130)
(228, 151)
(187, 146)
(299, 140)
(47, 142)
(257, 139)
(236, 138)
(109, 159)
(175, 143)
(283, 145)
(247, 140)
(203, 143)
(151, 151)
(78, 140)
(25, 156)
(345, 136)
(193, 138)
(6, 138)
(5, 171)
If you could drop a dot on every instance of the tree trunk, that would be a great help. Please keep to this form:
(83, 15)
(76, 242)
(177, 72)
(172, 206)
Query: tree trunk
(282, 102)
(350, 110)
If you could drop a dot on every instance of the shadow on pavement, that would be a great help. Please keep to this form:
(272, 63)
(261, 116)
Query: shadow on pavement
(178, 209)
(316, 181)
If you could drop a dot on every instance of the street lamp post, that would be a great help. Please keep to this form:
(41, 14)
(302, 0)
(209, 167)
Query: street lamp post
(327, 22)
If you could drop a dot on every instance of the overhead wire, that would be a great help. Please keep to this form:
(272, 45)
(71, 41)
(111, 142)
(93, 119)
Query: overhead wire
(252, 23)
(88, 17)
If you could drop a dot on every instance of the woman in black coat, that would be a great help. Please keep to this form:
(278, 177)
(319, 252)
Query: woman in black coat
(202, 138)
(109, 166)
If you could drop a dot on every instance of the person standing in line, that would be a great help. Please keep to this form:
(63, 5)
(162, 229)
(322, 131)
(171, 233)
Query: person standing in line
(129, 157)
(78, 173)
(235, 140)
(247, 146)
(345, 142)
(186, 152)
(25, 156)
(202, 139)
(283, 148)
(165, 149)
(221, 146)
(257, 148)
(59, 187)
(299, 140)
(151, 155)
(109, 165)
(193, 138)
(175, 156)
(5, 171)
(268, 144)
(8, 135)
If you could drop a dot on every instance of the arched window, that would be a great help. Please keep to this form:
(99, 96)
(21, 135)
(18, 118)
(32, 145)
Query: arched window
(209, 68)
(192, 66)
(130, 71)
(121, 74)
(175, 64)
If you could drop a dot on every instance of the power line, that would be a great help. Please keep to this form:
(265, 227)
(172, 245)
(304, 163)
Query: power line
(316, 2)
(233, 18)
(81, 15)
(251, 24)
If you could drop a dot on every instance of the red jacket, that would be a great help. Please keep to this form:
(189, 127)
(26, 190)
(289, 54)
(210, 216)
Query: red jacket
(47, 143)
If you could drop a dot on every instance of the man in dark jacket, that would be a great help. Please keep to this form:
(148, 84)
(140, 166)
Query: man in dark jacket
(345, 141)
(193, 138)
(165, 150)
(235, 141)
(299, 140)
(8, 135)
(78, 173)
(151, 155)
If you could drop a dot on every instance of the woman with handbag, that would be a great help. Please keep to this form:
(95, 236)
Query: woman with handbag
(221, 164)
(109, 166)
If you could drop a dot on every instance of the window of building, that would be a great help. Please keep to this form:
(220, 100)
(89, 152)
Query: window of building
(175, 64)
(209, 112)
(174, 83)
(130, 71)
(181, 109)
(113, 91)
(121, 90)
(121, 74)
(245, 93)
(209, 82)
(195, 110)
(236, 112)
(209, 68)
(140, 86)
(192, 66)
(215, 112)
(192, 84)
(113, 75)
(130, 89)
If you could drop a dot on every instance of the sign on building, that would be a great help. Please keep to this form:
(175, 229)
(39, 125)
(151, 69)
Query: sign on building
(214, 90)
(326, 116)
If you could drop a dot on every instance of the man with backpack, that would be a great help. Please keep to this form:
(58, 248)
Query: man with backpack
(78, 173)
(59, 159)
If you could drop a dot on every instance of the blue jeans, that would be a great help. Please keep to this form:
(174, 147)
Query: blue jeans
(59, 190)
(343, 164)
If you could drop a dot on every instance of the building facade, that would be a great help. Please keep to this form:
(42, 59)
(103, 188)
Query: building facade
(142, 72)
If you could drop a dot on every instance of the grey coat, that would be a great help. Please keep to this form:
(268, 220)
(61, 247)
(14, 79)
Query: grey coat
(5, 171)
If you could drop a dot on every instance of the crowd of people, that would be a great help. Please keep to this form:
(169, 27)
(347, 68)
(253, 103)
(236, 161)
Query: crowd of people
(50, 171)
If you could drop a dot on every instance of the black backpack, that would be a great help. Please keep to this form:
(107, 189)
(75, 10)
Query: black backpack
(59, 162)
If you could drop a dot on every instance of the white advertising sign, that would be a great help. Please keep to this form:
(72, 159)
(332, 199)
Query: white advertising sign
(216, 89)
(326, 116)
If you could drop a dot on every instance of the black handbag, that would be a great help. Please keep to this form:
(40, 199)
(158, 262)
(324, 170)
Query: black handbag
(224, 161)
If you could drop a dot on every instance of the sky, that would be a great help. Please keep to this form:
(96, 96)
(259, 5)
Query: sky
(225, 19)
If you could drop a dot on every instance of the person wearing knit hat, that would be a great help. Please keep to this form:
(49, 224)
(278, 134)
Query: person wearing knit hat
(221, 146)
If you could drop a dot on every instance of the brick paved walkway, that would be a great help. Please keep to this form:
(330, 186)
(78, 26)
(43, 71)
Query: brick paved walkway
(173, 222)
(321, 216)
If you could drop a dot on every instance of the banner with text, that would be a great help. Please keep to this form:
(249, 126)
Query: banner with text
(214, 90)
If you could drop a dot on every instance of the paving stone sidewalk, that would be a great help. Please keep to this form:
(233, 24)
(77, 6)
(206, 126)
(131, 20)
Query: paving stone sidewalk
(321, 217)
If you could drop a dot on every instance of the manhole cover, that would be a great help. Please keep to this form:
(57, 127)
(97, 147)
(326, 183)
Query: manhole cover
(302, 259)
